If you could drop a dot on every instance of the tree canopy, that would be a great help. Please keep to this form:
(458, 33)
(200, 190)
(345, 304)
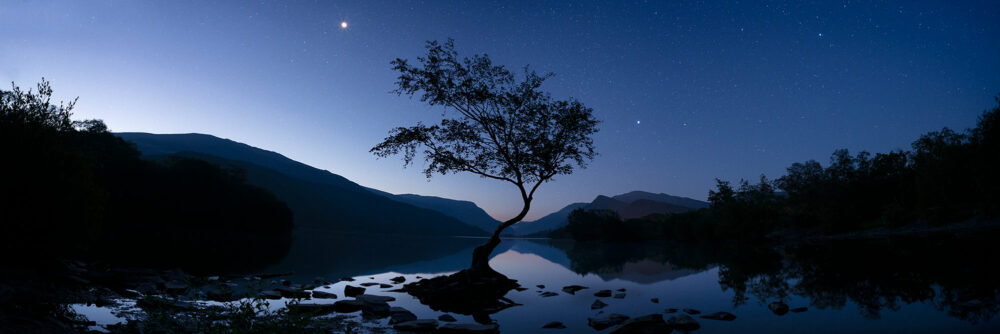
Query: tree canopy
(495, 125)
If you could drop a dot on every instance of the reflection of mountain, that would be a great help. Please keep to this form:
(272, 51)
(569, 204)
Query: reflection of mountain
(629, 205)
(334, 255)
(647, 271)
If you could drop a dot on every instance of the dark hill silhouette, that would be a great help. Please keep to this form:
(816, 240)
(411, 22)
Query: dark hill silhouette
(633, 196)
(465, 211)
(634, 204)
(319, 199)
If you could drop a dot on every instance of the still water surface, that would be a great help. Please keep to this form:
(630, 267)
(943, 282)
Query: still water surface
(906, 286)
(897, 286)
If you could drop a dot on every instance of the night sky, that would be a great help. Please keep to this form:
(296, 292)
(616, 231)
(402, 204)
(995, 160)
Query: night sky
(687, 91)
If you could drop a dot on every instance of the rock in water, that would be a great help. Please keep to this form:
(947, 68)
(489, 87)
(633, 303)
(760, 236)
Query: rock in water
(608, 321)
(799, 309)
(548, 294)
(554, 325)
(351, 291)
(572, 289)
(620, 295)
(311, 309)
(778, 308)
(597, 305)
(399, 315)
(421, 325)
(691, 311)
(647, 324)
(469, 329)
(683, 322)
(270, 294)
(541, 286)
(347, 306)
(446, 318)
(724, 316)
(368, 284)
(398, 279)
(603, 293)
(385, 286)
(655, 300)
(323, 295)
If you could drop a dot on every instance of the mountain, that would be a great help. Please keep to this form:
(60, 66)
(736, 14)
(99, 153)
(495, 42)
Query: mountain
(629, 205)
(465, 211)
(663, 198)
(318, 199)
(548, 222)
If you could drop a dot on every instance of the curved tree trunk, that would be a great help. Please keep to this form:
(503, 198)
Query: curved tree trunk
(481, 255)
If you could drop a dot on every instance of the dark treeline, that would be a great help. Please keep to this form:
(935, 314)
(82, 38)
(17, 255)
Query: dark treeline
(947, 177)
(72, 189)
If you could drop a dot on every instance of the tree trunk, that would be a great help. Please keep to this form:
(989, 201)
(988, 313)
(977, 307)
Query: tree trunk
(481, 255)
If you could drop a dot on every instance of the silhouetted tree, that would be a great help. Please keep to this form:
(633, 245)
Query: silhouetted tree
(495, 126)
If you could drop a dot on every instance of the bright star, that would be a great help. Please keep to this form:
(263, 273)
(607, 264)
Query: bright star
(820, 34)
(637, 122)
(343, 25)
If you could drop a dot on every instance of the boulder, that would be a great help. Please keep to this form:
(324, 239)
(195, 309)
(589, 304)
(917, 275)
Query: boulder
(311, 309)
(347, 279)
(724, 316)
(288, 292)
(347, 306)
(447, 318)
(598, 304)
(375, 299)
(613, 319)
(384, 286)
(691, 311)
(519, 289)
(469, 329)
(323, 295)
(421, 325)
(778, 308)
(351, 291)
(541, 286)
(621, 290)
(398, 279)
(548, 294)
(369, 284)
(399, 315)
(270, 294)
(175, 287)
(620, 295)
(603, 293)
(647, 324)
(554, 325)
(572, 289)
(655, 300)
(683, 322)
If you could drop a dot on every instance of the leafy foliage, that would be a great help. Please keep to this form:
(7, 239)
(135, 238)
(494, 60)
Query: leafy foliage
(496, 126)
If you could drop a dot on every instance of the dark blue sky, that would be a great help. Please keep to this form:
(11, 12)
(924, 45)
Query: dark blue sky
(687, 91)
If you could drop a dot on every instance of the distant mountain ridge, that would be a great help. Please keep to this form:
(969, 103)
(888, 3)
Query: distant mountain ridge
(633, 204)
(465, 211)
(318, 198)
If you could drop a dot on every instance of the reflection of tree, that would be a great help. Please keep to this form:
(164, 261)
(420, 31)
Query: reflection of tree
(876, 276)
(954, 274)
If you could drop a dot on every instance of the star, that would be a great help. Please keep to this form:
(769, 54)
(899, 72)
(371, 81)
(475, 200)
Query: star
(638, 122)
(343, 25)
(820, 34)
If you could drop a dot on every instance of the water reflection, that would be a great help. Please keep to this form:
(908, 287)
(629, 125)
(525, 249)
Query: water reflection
(859, 286)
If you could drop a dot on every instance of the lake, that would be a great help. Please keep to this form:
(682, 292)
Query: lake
(931, 284)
